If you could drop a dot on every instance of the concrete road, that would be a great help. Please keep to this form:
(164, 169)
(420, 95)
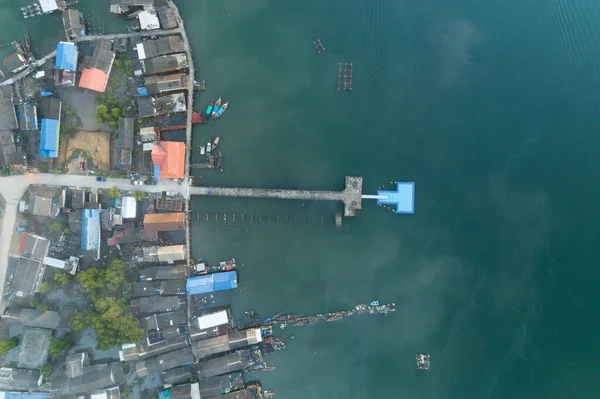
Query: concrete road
(12, 189)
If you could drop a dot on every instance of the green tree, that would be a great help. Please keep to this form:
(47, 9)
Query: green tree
(114, 124)
(114, 323)
(79, 321)
(114, 192)
(46, 369)
(139, 195)
(115, 275)
(67, 231)
(44, 287)
(60, 344)
(62, 278)
(34, 302)
(7, 345)
(42, 307)
(56, 228)
(92, 281)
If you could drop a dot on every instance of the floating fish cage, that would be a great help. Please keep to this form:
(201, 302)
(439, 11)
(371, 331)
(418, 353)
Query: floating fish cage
(32, 10)
(345, 76)
(319, 46)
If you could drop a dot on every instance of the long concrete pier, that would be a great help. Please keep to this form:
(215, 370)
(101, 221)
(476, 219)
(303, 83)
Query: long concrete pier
(146, 33)
(351, 196)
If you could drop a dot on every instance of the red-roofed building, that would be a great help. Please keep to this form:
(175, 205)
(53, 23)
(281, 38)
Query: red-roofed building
(168, 158)
(93, 79)
(96, 69)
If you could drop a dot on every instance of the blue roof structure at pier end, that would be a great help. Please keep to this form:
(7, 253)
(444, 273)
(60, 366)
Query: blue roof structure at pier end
(403, 198)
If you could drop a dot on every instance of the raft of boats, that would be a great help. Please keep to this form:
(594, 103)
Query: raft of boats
(215, 109)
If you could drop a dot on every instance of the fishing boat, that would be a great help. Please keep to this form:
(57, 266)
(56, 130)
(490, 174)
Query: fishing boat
(208, 147)
(216, 107)
(202, 151)
(209, 109)
(374, 303)
(221, 110)
(216, 142)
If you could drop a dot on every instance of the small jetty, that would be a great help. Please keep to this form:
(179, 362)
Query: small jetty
(345, 76)
(319, 46)
(284, 320)
(200, 85)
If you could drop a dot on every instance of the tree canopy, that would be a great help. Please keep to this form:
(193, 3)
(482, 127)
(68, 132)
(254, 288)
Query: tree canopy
(114, 192)
(62, 278)
(60, 344)
(7, 345)
(46, 369)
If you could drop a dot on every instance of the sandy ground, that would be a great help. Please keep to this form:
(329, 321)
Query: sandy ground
(97, 144)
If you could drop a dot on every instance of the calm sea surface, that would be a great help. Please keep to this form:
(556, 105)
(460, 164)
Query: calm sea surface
(490, 107)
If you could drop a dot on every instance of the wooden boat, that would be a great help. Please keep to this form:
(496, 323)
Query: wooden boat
(216, 142)
(209, 108)
(216, 107)
(221, 110)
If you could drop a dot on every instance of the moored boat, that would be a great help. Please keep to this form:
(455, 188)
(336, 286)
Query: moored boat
(221, 110)
(202, 151)
(216, 107)
(209, 108)
(208, 147)
(216, 142)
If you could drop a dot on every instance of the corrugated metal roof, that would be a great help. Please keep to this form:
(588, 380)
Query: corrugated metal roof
(66, 56)
(49, 138)
(90, 229)
(212, 282)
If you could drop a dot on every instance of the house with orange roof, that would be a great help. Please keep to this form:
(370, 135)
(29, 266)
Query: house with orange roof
(96, 69)
(168, 158)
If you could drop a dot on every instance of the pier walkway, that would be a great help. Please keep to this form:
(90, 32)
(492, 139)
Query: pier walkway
(146, 33)
(30, 69)
(351, 196)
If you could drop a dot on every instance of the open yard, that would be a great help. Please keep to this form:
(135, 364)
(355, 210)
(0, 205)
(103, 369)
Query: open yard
(96, 144)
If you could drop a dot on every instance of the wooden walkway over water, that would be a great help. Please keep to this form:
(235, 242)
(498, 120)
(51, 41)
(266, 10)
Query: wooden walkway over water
(351, 196)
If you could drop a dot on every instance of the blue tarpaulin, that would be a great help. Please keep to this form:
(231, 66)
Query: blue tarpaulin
(49, 138)
(211, 282)
(46, 94)
(142, 91)
(66, 56)
(24, 395)
(156, 172)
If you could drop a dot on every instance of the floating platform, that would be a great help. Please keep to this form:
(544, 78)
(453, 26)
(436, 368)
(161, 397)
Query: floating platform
(403, 198)
(319, 46)
(345, 75)
(423, 361)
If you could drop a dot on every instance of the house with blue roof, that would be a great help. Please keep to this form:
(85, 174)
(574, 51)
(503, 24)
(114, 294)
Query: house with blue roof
(65, 64)
(50, 112)
(90, 230)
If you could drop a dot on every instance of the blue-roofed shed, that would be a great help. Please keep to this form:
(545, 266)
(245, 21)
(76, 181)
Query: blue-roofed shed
(211, 282)
(403, 198)
(49, 138)
(24, 395)
(90, 229)
(66, 56)
(156, 173)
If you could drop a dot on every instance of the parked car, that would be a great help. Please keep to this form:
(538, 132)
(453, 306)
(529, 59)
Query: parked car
(81, 166)
(100, 178)
(150, 182)
(137, 182)
(167, 193)
(21, 229)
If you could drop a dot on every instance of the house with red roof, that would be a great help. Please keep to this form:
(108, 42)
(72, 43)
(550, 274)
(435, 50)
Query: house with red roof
(168, 158)
(96, 69)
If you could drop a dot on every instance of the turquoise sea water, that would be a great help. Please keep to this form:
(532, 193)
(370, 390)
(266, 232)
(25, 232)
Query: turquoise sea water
(490, 107)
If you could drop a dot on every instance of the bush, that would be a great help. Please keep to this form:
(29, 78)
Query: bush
(114, 192)
(44, 287)
(56, 228)
(60, 344)
(7, 345)
(62, 278)
(46, 369)
(42, 307)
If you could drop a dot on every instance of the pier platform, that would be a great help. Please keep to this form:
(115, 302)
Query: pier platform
(351, 196)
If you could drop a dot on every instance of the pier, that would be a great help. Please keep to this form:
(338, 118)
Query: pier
(146, 33)
(351, 196)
